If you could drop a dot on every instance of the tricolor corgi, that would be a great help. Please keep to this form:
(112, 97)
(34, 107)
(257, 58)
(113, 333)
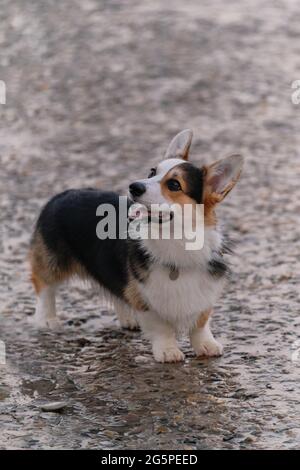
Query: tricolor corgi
(154, 283)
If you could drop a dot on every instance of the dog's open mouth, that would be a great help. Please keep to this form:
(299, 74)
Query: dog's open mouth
(142, 213)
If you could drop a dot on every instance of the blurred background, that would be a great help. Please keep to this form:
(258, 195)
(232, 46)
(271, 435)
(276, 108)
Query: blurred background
(95, 90)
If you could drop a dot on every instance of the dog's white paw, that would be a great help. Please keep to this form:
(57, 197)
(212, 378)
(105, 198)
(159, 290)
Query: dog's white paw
(130, 324)
(54, 324)
(208, 347)
(42, 323)
(128, 321)
(37, 322)
(165, 353)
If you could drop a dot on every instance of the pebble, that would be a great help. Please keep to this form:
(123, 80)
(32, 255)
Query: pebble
(53, 406)
(141, 359)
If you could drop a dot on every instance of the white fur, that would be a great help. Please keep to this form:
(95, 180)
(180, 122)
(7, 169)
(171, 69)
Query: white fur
(203, 342)
(162, 336)
(176, 305)
(182, 300)
(153, 194)
(45, 312)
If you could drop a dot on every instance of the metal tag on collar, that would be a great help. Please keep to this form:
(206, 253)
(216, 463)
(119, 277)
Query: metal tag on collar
(174, 273)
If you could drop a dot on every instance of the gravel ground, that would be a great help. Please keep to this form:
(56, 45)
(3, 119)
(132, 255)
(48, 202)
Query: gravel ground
(95, 90)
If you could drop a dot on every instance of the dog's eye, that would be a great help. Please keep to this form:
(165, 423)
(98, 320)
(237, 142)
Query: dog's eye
(173, 185)
(152, 172)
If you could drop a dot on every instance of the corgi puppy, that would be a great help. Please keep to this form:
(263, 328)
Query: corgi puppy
(154, 283)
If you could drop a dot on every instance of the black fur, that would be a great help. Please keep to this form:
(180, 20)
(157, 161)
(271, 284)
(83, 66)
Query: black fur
(195, 178)
(218, 266)
(68, 227)
(139, 260)
(227, 246)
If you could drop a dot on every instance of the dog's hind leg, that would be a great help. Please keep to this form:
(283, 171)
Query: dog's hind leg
(45, 312)
(45, 278)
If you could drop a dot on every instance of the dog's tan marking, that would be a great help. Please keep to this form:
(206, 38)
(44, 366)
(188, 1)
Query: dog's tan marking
(45, 270)
(177, 197)
(202, 339)
(139, 272)
(214, 194)
(210, 199)
(181, 198)
(203, 318)
(133, 296)
(37, 282)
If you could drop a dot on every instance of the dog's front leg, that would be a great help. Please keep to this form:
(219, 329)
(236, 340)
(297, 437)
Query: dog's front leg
(162, 336)
(202, 340)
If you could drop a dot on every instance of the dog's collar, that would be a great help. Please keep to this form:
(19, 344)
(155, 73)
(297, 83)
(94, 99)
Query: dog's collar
(216, 266)
(173, 270)
(173, 273)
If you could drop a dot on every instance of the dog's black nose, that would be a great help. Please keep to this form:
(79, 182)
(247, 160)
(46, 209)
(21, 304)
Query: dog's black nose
(137, 189)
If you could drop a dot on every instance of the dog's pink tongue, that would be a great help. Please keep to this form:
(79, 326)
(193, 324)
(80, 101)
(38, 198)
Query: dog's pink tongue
(137, 211)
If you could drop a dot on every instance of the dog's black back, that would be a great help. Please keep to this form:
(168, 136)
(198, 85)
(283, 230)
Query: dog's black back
(68, 224)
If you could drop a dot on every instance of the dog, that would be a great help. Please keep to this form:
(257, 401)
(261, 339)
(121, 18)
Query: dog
(154, 283)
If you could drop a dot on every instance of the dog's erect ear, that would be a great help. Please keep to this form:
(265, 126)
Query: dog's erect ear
(180, 145)
(221, 177)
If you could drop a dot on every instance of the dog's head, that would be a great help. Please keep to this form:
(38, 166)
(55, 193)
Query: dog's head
(177, 181)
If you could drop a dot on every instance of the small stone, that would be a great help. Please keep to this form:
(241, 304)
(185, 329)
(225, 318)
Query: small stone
(229, 437)
(54, 406)
(141, 359)
(111, 434)
(161, 430)
(249, 439)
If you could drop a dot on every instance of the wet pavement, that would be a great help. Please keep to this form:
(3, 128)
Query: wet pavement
(95, 91)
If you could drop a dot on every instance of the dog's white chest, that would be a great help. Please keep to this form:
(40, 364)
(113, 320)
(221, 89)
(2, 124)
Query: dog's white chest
(181, 300)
